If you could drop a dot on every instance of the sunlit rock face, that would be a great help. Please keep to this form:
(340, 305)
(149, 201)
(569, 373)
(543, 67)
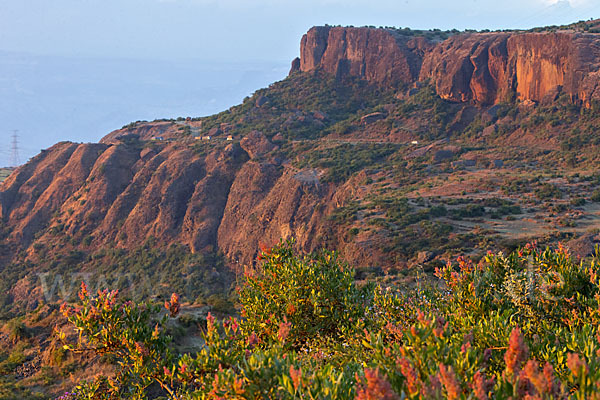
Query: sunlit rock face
(481, 68)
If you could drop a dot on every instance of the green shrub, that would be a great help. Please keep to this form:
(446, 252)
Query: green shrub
(519, 326)
(548, 191)
(15, 358)
(17, 330)
(220, 303)
(469, 211)
(315, 293)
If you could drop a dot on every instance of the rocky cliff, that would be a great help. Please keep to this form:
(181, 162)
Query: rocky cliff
(377, 55)
(481, 68)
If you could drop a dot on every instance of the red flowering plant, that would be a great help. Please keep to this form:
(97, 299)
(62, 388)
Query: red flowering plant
(552, 298)
(430, 358)
(307, 331)
(132, 333)
(233, 365)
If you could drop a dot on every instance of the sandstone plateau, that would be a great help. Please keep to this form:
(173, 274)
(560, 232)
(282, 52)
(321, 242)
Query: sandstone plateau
(482, 68)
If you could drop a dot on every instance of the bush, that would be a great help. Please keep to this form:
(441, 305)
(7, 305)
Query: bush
(469, 211)
(17, 330)
(220, 303)
(15, 358)
(520, 326)
(132, 333)
(548, 191)
(315, 293)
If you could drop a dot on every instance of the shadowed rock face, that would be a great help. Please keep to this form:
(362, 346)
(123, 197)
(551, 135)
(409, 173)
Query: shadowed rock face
(481, 68)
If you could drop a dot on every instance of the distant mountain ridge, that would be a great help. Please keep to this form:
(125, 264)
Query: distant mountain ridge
(54, 98)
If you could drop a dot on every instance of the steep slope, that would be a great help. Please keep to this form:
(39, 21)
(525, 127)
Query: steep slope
(122, 194)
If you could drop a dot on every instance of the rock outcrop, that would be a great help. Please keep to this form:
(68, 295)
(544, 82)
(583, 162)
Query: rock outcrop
(256, 144)
(377, 55)
(480, 68)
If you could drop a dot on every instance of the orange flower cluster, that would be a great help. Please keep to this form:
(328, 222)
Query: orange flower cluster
(481, 386)
(448, 379)
(83, 293)
(284, 330)
(290, 309)
(577, 366)
(173, 305)
(264, 253)
(412, 379)
(543, 381)
(374, 387)
(296, 375)
(210, 323)
(516, 354)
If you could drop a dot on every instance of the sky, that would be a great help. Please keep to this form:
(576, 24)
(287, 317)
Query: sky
(77, 69)
(232, 30)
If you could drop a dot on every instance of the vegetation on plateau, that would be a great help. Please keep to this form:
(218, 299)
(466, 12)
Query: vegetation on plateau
(520, 326)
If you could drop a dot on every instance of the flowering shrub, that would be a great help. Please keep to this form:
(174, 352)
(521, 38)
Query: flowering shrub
(315, 294)
(522, 326)
(132, 333)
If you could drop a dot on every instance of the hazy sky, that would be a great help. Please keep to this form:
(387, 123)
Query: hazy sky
(245, 29)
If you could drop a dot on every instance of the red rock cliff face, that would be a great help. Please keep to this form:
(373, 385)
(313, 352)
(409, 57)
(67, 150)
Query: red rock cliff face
(488, 68)
(232, 199)
(377, 55)
(481, 68)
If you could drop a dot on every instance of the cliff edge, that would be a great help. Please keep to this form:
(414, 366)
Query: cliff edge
(480, 68)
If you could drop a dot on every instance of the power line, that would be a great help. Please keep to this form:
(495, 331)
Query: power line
(14, 153)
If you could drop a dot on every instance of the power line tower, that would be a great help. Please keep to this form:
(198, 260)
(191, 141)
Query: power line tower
(14, 150)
